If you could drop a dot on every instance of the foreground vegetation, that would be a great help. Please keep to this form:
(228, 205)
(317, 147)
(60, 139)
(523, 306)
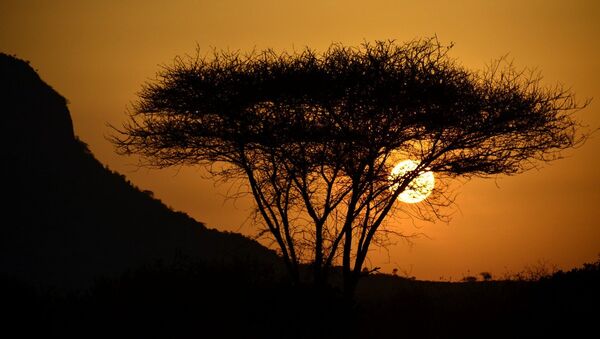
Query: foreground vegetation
(185, 300)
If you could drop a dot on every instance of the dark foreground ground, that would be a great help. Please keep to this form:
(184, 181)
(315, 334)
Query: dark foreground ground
(198, 301)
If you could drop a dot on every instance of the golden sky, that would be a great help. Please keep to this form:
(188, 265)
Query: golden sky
(98, 53)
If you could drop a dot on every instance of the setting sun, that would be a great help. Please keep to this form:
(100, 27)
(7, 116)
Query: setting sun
(419, 188)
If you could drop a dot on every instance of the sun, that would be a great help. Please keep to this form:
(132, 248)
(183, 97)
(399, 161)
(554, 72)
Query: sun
(419, 188)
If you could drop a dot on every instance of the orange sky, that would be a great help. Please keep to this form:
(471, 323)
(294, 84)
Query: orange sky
(98, 53)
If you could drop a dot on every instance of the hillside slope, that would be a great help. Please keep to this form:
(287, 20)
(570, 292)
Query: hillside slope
(68, 219)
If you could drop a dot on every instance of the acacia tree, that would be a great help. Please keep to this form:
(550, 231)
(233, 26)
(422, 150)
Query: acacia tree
(314, 136)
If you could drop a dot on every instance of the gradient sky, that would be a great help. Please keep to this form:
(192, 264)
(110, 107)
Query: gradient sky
(98, 54)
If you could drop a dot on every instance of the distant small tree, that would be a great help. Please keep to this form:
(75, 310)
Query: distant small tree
(486, 276)
(315, 136)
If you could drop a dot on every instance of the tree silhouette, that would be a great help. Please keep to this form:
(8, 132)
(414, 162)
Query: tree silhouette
(486, 276)
(315, 136)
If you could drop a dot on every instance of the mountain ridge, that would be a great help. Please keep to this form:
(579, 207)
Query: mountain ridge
(71, 219)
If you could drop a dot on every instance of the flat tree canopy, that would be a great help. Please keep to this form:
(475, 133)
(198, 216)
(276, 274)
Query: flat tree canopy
(316, 135)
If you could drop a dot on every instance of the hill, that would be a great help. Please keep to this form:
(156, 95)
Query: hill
(67, 219)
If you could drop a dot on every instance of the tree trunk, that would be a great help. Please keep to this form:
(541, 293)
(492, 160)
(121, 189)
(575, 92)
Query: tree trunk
(318, 264)
(350, 282)
(319, 277)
